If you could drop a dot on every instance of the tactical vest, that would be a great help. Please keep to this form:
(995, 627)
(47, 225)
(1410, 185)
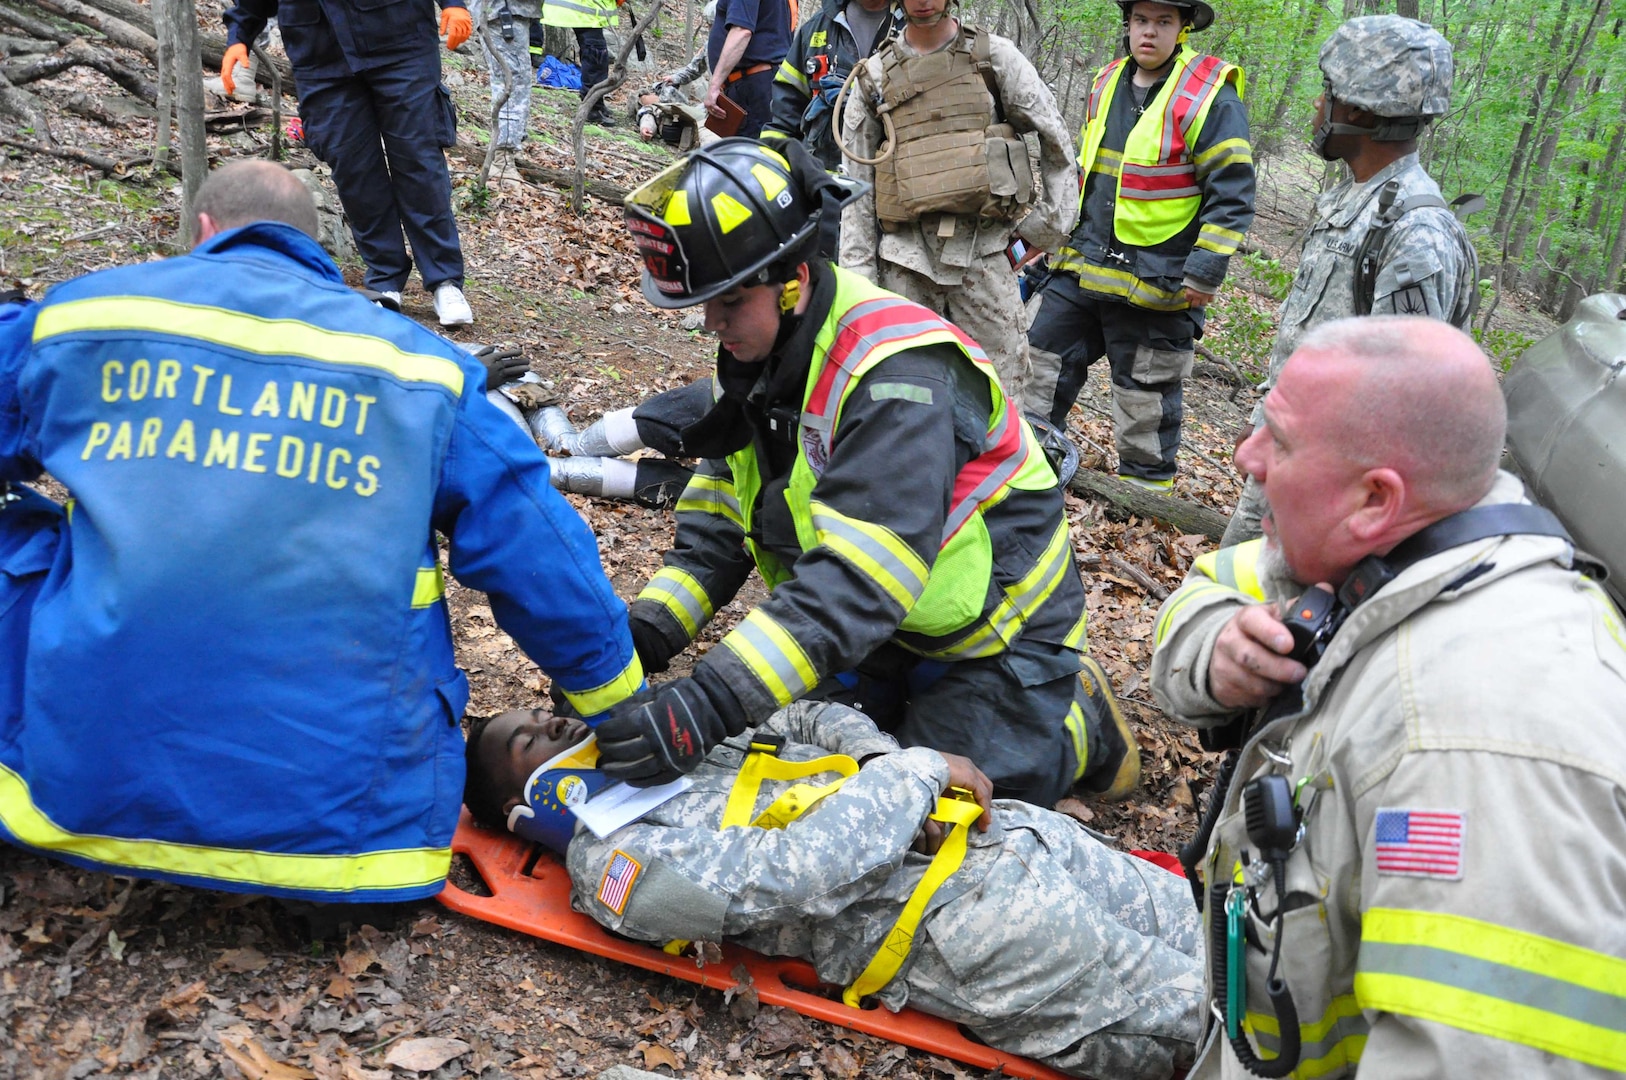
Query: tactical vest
(946, 157)
(865, 325)
(1158, 190)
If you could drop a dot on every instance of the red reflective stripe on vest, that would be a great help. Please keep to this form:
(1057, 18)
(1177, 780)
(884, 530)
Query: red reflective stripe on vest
(1158, 177)
(1197, 85)
(1107, 74)
(862, 328)
(986, 473)
(885, 320)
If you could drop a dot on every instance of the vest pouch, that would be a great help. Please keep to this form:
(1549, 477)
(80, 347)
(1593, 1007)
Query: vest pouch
(1010, 171)
(957, 590)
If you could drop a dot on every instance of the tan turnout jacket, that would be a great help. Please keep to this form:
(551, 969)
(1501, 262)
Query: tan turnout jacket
(1457, 902)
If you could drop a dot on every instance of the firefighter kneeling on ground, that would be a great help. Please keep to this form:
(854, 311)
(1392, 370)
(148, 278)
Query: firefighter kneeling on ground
(862, 456)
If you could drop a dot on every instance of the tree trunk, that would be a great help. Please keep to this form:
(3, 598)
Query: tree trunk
(1552, 127)
(180, 22)
(596, 94)
(558, 41)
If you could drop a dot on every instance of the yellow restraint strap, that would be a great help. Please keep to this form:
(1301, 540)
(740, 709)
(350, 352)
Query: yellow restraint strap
(957, 811)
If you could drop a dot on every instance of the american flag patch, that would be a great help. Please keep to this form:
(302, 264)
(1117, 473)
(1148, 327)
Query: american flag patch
(617, 884)
(1420, 843)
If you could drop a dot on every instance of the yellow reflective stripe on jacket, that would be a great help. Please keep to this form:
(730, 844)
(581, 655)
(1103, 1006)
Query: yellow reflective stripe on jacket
(1111, 282)
(1218, 239)
(706, 494)
(773, 656)
(429, 587)
(1235, 567)
(1223, 153)
(246, 333)
(1022, 598)
(875, 551)
(680, 593)
(606, 695)
(791, 75)
(958, 814)
(1077, 637)
(1177, 603)
(1495, 981)
(1333, 1042)
(338, 874)
(1107, 162)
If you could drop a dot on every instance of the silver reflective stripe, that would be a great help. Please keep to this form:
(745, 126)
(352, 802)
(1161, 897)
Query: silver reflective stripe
(1528, 988)
(1342, 1029)
(667, 589)
(909, 578)
(781, 665)
(961, 512)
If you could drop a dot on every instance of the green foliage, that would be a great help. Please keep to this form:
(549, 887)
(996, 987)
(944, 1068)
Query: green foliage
(1276, 278)
(1242, 332)
(1503, 346)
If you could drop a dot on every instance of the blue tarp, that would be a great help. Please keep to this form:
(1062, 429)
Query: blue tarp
(555, 72)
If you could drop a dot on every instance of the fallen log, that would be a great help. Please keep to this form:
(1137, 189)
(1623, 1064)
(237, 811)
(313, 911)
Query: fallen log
(119, 170)
(26, 107)
(533, 173)
(79, 53)
(1189, 517)
(11, 45)
(112, 27)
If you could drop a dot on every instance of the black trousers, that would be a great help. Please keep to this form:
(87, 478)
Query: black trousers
(383, 132)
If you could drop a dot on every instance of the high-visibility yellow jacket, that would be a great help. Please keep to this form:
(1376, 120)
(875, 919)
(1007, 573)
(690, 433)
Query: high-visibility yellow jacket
(870, 508)
(1166, 191)
(1460, 766)
(575, 13)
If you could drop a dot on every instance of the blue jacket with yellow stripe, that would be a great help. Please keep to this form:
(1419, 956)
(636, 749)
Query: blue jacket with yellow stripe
(239, 671)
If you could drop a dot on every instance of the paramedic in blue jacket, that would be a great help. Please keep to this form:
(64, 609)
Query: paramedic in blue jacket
(374, 109)
(239, 672)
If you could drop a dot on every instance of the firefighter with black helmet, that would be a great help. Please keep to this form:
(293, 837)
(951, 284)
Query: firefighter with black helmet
(863, 458)
(1166, 198)
(1384, 241)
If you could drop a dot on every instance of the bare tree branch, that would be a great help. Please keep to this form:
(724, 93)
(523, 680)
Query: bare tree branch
(497, 103)
(617, 76)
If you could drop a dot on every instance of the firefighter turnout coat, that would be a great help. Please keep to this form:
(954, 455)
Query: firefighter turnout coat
(1167, 187)
(239, 672)
(885, 489)
(1454, 903)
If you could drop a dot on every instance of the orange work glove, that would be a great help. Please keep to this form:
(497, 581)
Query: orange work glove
(237, 54)
(456, 25)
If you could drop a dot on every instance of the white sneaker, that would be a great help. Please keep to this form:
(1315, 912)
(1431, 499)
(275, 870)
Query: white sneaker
(389, 298)
(452, 306)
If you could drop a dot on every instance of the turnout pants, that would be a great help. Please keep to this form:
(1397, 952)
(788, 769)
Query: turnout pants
(988, 306)
(1150, 353)
(1025, 716)
(382, 131)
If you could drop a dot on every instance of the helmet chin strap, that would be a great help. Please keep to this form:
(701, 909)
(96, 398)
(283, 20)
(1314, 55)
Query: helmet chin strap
(1328, 128)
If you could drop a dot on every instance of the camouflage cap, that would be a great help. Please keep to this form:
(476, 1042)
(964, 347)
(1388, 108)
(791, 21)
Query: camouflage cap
(1390, 66)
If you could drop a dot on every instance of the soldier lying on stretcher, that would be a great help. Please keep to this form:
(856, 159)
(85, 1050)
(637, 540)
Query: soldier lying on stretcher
(1042, 940)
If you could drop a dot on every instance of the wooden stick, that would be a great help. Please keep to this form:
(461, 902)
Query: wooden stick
(1137, 575)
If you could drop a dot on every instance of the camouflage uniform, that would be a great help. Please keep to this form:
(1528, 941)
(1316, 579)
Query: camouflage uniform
(1045, 943)
(957, 267)
(1426, 266)
(516, 55)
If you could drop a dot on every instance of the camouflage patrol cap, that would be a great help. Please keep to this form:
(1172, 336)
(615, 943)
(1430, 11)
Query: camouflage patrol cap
(1390, 66)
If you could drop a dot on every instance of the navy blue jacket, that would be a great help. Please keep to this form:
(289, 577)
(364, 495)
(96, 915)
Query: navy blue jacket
(239, 671)
(327, 38)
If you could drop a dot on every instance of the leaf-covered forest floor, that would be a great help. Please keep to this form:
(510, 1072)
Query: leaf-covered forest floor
(103, 975)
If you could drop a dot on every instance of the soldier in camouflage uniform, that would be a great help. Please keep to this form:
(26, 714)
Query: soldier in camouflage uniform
(1045, 942)
(956, 264)
(1386, 78)
(510, 22)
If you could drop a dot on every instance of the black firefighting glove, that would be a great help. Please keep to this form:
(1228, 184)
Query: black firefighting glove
(502, 365)
(659, 735)
(654, 653)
